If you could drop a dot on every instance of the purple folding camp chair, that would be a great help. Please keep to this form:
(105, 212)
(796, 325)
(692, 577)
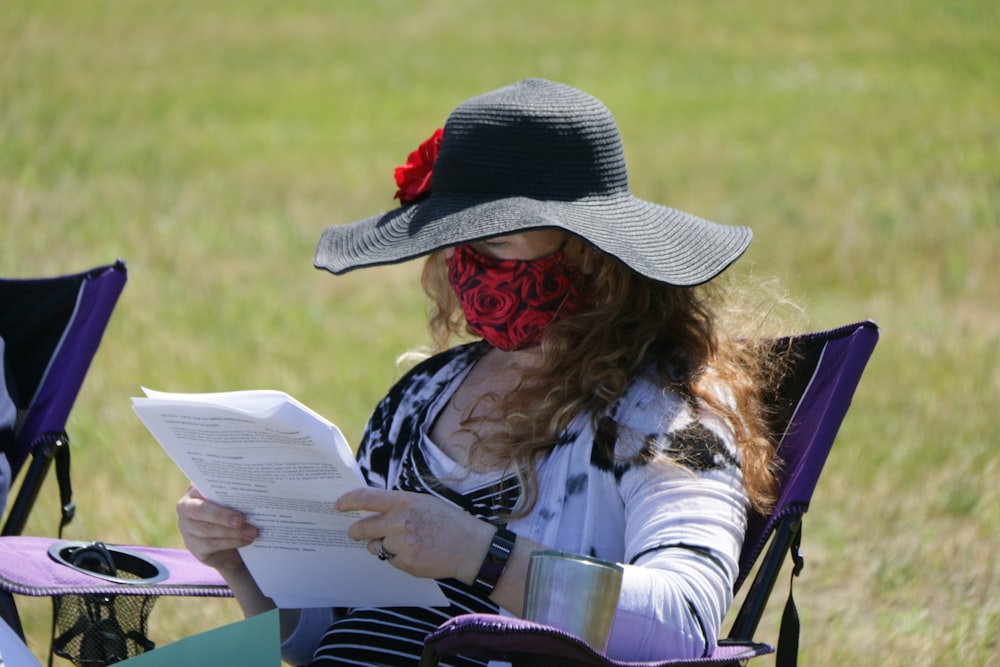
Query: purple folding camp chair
(50, 329)
(810, 405)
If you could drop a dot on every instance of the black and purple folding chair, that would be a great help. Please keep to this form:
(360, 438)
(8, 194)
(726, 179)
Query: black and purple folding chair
(50, 329)
(810, 405)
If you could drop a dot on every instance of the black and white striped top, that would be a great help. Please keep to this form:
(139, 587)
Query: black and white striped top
(393, 636)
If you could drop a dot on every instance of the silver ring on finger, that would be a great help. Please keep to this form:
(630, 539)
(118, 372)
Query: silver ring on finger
(382, 553)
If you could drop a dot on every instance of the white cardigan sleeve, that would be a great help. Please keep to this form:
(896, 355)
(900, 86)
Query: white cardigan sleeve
(684, 527)
(683, 539)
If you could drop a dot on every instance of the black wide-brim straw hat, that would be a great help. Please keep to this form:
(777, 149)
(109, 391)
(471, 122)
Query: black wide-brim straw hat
(537, 155)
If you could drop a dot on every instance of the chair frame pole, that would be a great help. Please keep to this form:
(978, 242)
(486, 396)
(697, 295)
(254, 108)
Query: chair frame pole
(752, 609)
(8, 612)
(42, 455)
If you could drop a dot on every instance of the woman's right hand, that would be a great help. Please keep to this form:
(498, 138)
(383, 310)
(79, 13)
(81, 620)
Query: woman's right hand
(212, 533)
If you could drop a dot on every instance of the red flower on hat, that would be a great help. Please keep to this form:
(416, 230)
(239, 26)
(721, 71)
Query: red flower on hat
(414, 177)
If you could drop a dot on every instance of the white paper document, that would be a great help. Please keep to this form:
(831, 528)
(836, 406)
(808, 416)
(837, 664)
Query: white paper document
(265, 454)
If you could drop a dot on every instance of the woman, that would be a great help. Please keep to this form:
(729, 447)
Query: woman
(602, 413)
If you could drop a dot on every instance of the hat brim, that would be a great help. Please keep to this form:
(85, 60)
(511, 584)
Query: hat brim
(661, 243)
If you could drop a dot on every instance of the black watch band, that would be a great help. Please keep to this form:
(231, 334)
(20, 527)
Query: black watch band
(495, 561)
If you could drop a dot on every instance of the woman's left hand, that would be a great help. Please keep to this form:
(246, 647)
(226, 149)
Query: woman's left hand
(424, 535)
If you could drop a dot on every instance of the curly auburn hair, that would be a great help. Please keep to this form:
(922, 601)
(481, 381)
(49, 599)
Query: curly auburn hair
(587, 365)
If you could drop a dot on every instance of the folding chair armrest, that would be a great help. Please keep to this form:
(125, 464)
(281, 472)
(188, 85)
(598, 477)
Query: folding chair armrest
(26, 568)
(495, 637)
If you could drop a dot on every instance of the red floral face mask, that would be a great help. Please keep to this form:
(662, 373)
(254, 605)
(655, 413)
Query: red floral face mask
(509, 302)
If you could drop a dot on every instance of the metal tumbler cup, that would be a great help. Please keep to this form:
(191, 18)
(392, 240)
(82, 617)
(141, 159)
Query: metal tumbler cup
(573, 593)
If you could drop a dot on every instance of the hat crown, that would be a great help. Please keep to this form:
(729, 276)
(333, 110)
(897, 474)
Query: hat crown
(534, 138)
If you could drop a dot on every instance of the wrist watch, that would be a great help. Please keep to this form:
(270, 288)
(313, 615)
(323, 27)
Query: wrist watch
(495, 561)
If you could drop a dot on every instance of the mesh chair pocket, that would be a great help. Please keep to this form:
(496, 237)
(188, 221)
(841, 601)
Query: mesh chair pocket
(97, 629)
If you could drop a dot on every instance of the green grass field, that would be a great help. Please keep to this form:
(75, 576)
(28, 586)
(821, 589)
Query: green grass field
(208, 144)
